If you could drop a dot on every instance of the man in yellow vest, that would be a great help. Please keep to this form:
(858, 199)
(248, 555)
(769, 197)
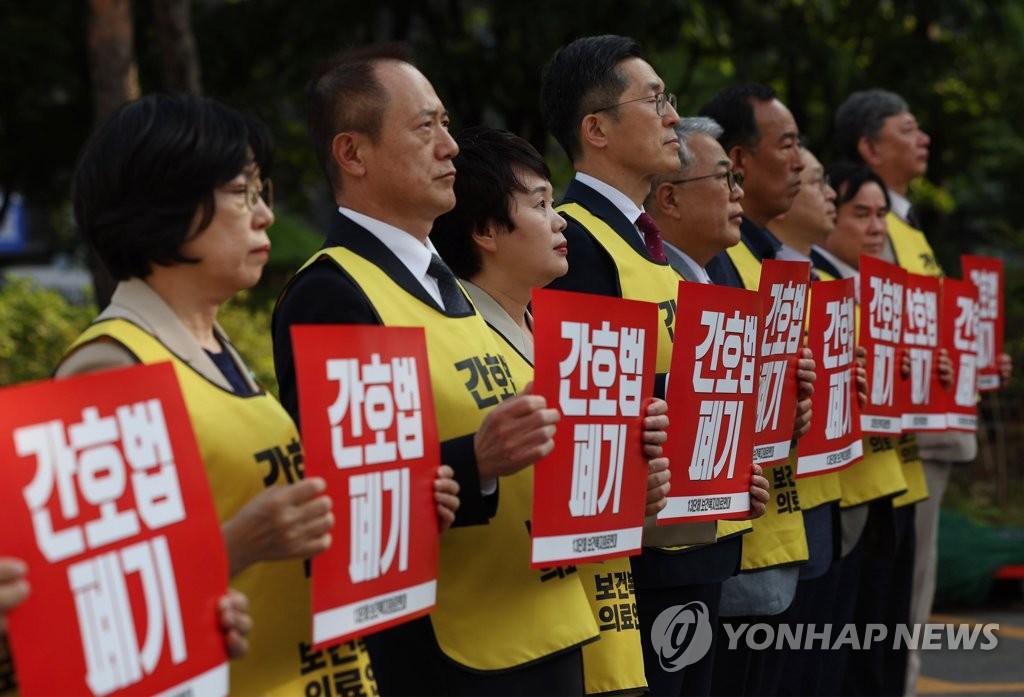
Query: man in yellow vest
(762, 140)
(876, 127)
(381, 136)
(609, 110)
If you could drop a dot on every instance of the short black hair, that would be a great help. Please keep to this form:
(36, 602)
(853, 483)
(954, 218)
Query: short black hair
(489, 170)
(847, 178)
(345, 95)
(580, 79)
(150, 167)
(733, 109)
(863, 114)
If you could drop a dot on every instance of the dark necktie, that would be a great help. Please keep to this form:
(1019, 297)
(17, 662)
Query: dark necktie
(455, 302)
(652, 236)
(912, 218)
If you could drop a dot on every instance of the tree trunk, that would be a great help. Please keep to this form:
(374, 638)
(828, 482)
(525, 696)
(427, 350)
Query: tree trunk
(177, 46)
(115, 80)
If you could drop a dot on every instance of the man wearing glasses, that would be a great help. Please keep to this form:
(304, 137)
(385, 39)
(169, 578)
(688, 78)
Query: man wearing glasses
(608, 109)
(761, 138)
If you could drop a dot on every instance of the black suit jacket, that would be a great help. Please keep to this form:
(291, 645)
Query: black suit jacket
(760, 241)
(325, 294)
(820, 262)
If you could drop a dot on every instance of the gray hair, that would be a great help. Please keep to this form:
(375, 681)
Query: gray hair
(686, 129)
(862, 115)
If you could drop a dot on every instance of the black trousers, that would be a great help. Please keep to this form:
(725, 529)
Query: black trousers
(406, 660)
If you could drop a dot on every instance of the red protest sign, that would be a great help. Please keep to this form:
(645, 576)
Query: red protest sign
(986, 273)
(595, 359)
(922, 395)
(834, 439)
(105, 497)
(711, 392)
(959, 320)
(881, 334)
(783, 292)
(368, 427)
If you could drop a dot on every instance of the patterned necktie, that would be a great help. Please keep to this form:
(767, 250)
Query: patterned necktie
(455, 302)
(652, 236)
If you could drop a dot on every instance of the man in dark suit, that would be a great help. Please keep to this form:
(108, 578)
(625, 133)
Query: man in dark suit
(608, 109)
(381, 136)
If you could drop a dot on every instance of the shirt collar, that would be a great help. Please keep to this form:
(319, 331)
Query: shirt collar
(616, 197)
(787, 253)
(415, 255)
(698, 270)
(899, 205)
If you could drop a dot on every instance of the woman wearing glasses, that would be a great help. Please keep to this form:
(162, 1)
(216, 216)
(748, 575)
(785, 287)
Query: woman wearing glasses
(172, 193)
(504, 238)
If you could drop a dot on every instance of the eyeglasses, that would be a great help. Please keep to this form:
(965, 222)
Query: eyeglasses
(256, 189)
(733, 179)
(660, 100)
(825, 183)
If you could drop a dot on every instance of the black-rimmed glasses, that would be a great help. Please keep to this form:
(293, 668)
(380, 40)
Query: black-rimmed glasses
(256, 189)
(660, 100)
(733, 179)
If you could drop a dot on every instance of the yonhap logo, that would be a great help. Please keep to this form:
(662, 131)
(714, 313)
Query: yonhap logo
(681, 635)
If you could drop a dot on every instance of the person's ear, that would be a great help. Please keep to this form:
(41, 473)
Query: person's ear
(348, 153)
(666, 199)
(594, 130)
(486, 239)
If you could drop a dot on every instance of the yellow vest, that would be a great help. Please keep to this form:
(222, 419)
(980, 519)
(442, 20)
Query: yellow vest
(911, 247)
(639, 277)
(493, 612)
(914, 254)
(236, 435)
(615, 662)
(778, 537)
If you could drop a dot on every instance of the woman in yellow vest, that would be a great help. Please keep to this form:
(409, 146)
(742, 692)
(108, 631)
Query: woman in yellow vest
(504, 238)
(172, 192)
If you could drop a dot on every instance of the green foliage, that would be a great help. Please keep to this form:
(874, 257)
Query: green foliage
(36, 327)
(246, 320)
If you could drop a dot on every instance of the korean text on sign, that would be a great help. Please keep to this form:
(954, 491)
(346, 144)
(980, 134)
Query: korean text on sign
(712, 395)
(369, 429)
(783, 291)
(881, 334)
(986, 273)
(107, 500)
(595, 360)
(924, 405)
(959, 335)
(834, 439)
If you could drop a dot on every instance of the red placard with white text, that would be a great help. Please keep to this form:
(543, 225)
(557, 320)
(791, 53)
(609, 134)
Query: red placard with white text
(834, 439)
(713, 403)
(986, 273)
(922, 395)
(595, 359)
(105, 497)
(783, 291)
(881, 334)
(367, 417)
(959, 336)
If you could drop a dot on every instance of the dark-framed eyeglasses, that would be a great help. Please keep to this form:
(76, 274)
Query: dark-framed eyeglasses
(660, 100)
(733, 179)
(256, 189)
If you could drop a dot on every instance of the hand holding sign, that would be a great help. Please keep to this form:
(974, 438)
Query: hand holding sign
(516, 433)
(281, 522)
